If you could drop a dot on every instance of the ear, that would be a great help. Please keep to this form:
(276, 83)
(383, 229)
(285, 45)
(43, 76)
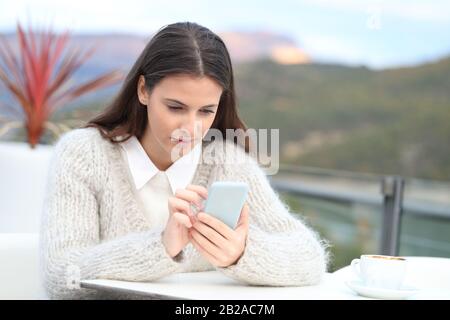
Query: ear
(143, 95)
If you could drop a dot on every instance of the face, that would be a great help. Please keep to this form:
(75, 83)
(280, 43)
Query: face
(180, 110)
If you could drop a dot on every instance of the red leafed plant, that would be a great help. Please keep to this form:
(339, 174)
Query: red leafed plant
(37, 77)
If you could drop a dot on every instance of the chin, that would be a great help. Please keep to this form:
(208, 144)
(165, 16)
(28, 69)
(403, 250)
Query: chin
(180, 150)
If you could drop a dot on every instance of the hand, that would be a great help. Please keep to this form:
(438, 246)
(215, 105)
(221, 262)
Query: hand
(181, 217)
(218, 243)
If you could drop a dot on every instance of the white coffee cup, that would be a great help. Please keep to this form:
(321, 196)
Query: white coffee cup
(380, 271)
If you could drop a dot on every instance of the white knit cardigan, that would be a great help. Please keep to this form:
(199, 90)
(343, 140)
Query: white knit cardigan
(93, 227)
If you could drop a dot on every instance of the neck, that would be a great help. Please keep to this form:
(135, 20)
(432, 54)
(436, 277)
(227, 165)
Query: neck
(155, 151)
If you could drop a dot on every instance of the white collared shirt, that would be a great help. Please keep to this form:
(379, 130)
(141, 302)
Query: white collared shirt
(153, 186)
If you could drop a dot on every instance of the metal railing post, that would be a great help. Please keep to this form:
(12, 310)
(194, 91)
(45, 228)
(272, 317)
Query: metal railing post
(392, 191)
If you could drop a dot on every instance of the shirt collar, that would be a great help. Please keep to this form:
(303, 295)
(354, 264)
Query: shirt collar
(179, 174)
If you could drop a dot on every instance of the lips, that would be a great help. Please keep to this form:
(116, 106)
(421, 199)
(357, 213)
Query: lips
(180, 139)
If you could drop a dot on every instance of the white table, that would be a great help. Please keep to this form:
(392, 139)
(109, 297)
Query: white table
(430, 274)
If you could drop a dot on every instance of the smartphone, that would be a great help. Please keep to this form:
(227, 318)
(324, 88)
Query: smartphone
(225, 201)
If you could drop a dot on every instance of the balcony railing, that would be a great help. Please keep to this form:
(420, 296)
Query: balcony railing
(390, 197)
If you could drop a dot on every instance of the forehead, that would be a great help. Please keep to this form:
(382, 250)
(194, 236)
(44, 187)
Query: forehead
(189, 87)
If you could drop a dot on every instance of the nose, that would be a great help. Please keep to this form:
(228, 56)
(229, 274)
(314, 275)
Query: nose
(192, 126)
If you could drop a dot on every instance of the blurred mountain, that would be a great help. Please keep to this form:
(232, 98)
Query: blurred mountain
(119, 51)
(250, 46)
(392, 121)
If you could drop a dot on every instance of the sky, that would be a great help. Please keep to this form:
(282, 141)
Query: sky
(378, 34)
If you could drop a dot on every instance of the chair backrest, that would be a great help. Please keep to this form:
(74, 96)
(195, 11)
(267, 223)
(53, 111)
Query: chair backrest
(20, 276)
(23, 173)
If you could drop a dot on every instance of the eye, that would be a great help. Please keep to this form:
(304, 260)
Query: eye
(207, 111)
(175, 108)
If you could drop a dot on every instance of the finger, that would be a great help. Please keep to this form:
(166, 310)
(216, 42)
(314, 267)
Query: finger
(201, 190)
(176, 204)
(189, 196)
(203, 252)
(216, 224)
(207, 245)
(212, 235)
(182, 219)
(244, 218)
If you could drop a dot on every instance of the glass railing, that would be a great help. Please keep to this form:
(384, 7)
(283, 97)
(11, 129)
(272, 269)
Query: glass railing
(425, 227)
(348, 209)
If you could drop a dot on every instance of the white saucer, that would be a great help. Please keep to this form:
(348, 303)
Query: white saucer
(380, 293)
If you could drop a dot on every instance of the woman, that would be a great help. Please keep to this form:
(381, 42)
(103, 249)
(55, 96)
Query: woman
(122, 191)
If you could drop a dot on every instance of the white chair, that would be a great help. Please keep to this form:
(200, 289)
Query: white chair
(19, 272)
(23, 173)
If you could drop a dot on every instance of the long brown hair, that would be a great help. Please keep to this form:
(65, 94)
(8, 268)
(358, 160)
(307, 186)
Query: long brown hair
(179, 48)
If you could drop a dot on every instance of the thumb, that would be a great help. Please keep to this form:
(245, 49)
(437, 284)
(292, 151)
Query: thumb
(244, 218)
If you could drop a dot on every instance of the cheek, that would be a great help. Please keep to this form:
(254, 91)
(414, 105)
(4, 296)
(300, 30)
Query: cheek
(161, 122)
(206, 125)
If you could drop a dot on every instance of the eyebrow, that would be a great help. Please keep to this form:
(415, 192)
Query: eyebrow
(181, 103)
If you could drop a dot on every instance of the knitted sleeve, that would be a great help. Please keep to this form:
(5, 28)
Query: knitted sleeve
(281, 250)
(70, 245)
